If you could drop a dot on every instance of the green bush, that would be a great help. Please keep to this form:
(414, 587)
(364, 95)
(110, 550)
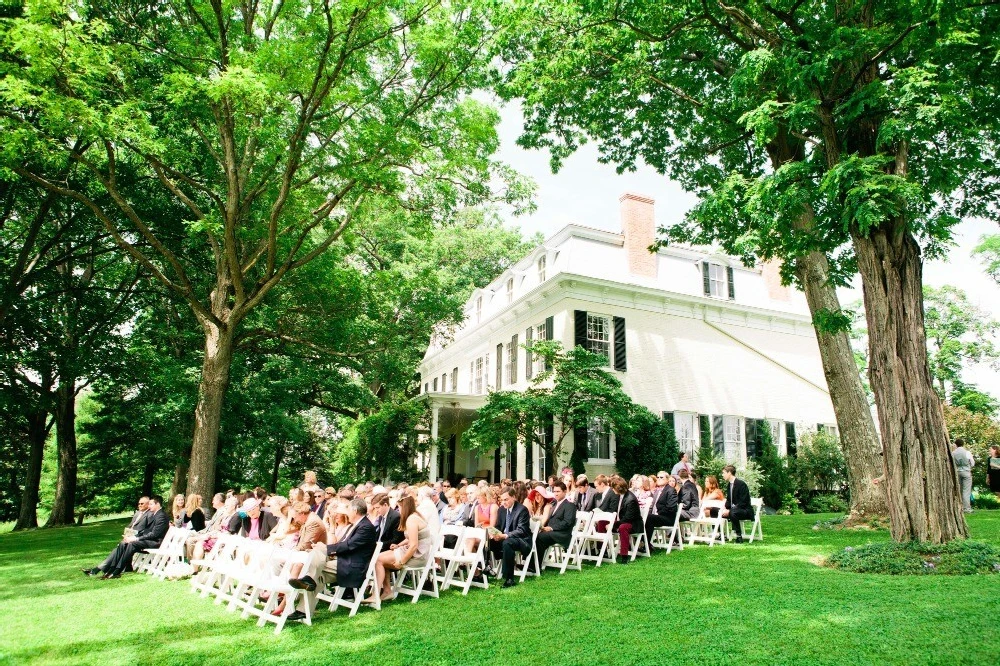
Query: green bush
(789, 505)
(647, 445)
(776, 481)
(959, 557)
(819, 464)
(983, 498)
(826, 503)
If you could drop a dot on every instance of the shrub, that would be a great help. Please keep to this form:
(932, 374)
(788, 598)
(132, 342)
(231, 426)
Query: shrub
(647, 445)
(819, 464)
(958, 557)
(826, 503)
(789, 505)
(709, 464)
(983, 498)
(776, 481)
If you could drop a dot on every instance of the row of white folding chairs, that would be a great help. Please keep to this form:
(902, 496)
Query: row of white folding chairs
(710, 529)
(154, 561)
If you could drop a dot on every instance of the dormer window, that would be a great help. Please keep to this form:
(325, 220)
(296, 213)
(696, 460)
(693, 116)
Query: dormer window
(479, 309)
(510, 290)
(718, 280)
(541, 269)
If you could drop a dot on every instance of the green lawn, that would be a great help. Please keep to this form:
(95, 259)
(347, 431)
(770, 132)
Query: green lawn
(750, 604)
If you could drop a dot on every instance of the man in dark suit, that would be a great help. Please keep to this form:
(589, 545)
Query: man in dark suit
(689, 502)
(604, 499)
(351, 557)
(663, 512)
(737, 502)
(140, 519)
(584, 494)
(386, 522)
(516, 535)
(151, 536)
(251, 522)
(559, 529)
(628, 516)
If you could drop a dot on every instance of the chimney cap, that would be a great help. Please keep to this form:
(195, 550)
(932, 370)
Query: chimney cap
(637, 197)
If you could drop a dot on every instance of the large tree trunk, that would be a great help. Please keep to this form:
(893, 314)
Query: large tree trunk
(208, 413)
(37, 433)
(924, 502)
(858, 439)
(65, 503)
(148, 474)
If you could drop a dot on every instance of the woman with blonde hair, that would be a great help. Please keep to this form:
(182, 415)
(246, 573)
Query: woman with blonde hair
(192, 517)
(177, 509)
(713, 492)
(309, 481)
(337, 521)
(412, 551)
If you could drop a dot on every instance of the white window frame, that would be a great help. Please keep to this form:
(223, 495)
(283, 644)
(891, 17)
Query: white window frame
(510, 290)
(777, 435)
(454, 380)
(686, 432)
(508, 366)
(538, 360)
(541, 264)
(717, 281)
(735, 450)
(595, 430)
(540, 460)
(479, 309)
(596, 339)
(434, 385)
(477, 376)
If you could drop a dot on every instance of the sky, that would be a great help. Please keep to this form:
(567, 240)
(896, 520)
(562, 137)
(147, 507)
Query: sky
(586, 192)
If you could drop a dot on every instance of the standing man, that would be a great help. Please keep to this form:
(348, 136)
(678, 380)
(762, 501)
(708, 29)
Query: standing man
(963, 467)
(663, 511)
(559, 529)
(151, 536)
(737, 502)
(516, 535)
(683, 463)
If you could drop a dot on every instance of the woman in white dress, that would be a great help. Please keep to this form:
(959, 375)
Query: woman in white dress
(412, 551)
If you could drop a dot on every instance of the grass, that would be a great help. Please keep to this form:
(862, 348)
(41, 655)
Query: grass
(761, 603)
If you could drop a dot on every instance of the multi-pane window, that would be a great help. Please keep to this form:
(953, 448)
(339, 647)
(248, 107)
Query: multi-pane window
(776, 439)
(599, 334)
(510, 290)
(454, 380)
(541, 268)
(717, 280)
(479, 309)
(733, 440)
(435, 384)
(510, 460)
(477, 376)
(686, 431)
(444, 383)
(508, 367)
(539, 360)
(598, 441)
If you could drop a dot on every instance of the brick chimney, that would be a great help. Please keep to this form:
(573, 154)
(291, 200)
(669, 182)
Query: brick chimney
(771, 272)
(640, 232)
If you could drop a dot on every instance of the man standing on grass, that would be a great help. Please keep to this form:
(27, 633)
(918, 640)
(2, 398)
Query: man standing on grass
(120, 560)
(964, 463)
(737, 502)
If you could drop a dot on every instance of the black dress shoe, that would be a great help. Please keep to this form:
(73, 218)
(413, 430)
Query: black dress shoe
(111, 574)
(623, 559)
(739, 539)
(305, 583)
(510, 582)
(92, 572)
(296, 616)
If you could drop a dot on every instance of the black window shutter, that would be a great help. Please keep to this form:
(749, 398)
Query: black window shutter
(706, 279)
(499, 365)
(791, 444)
(751, 430)
(527, 354)
(671, 425)
(580, 442)
(549, 432)
(580, 320)
(729, 280)
(820, 427)
(620, 362)
(704, 430)
(496, 465)
(513, 359)
(548, 336)
(512, 457)
(529, 458)
(719, 435)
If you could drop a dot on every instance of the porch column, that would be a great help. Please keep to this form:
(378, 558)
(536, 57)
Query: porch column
(432, 466)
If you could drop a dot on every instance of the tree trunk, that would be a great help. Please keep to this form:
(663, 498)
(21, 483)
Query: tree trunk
(148, 473)
(37, 433)
(65, 503)
(858, 438)
(924, 502)
(180, 482)
(208, 413)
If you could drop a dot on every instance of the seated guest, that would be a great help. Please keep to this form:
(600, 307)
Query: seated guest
(439, 499)
(538, 505)
(386, 521)
(469, 497)
(197, 545)
(639, 485)
(328, 493)
(738, 506)
(312, 538)
(516, 534)
(177, 510)
(694, 480)
(193, 518)
(584, 498)
(309, 481)
(629, 518)
(412, 551)
(427, 507)
(120, 559)
(712, 492)
(604, 499)
(140, 518)
(350, 558)
(559, 527)
(453, 514)
(279, 507)
(347, 492)
(688, 497)
(485, 515)
(251, 522)
(319, 500)
(663, 511)
(338, 521)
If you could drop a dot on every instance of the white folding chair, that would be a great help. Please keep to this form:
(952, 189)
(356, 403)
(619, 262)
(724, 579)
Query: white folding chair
(274, 584)
(755, 529)
(417, 576)
(665, 537)
(532, 555)
(706, 529)
(170, 550)
(637, 539)
(256, 570)
(222, 548)
(602, 541)
(368, 586)
(445, 554)
(568, 557)
(462, 566)
(231, 571)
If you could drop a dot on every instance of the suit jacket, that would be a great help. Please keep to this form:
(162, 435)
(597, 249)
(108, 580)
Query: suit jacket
(311, 533)
(666, 503)
(608, 503)
(152, 535)
(629, 511)
(354, 553)
(585, 501)
(241, 526)
(320, 510)
(739, 496)
(520, 522)
(140, 520)
(562, 521)
(689, 496)
(390, 530)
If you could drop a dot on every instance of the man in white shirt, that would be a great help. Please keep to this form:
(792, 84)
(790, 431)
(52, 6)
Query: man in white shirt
(681, 464)
(963, 468)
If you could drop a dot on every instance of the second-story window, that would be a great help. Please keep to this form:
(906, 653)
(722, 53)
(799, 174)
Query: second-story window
(541, 269)
(718, 280)
(599, 334)
(510, 290)
(479, 309)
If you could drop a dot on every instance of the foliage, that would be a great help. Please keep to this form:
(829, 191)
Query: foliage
(647, 445)
(984, 498)
(789, 505)
(712, 465)
(826, 503)
(776, 480)
(988, 251)
(958, 557)
(979, 431)
(819, 464)
(958, 334)
(387, 446)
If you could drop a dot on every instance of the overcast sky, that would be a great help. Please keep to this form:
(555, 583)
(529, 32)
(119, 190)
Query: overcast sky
(586, 192)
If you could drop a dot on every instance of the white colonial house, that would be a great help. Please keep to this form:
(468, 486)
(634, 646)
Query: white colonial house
(721, 348)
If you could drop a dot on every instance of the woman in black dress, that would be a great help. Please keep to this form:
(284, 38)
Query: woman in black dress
(993, 470)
